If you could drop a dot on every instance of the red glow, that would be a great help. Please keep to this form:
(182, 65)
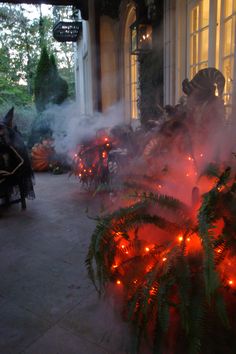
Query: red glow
(164, 259)
(118, 282)
(147, 249)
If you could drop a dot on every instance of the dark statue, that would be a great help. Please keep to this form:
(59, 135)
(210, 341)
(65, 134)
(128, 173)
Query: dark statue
(16, 174)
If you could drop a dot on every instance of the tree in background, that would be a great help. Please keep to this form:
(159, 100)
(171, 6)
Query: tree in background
(59, 86)
(22, 36)
(49, 86)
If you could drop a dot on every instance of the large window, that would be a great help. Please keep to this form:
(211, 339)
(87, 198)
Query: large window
(226, 28)
(211, 39)
(130, 70)
(199, 37)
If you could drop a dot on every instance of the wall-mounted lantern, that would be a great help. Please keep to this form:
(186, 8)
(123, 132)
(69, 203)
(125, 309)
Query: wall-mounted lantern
(141, 37)
(67, 31)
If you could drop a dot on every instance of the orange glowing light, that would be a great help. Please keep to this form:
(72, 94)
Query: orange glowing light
(187, 174)
(80, 174)
(148, 268)
(152, 291)
(180, 238)
(218, 251)
(106, 139)
(115, 266)
(159, 186)
(84, 170)
(147, 249)
(164, 259)
(104, 154)
(122, 246)
(188, 239)
(127, 252)
(118, 282)
(107, 144)
(90, 170)
(201, 155)
(230, 282)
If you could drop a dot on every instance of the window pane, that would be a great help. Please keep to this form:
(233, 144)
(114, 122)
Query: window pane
(228, 7)
(194, 49)
(228, 73)
(205, 13)
(193, 71)
(194, 19)
(217, 58)
(204, 45)
(133, 86)
(227, 37)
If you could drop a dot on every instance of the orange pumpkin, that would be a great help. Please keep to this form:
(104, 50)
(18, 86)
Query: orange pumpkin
(41, 155)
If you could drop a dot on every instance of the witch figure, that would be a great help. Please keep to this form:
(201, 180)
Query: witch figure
(16, 175)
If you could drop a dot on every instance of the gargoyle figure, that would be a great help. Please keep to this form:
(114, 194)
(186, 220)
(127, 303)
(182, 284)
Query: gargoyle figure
(15, 167)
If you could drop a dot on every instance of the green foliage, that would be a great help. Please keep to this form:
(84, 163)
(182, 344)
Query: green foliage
(173, 298)
(21, 37)
(49, 86)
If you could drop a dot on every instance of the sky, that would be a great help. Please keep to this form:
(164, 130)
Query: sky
(33, 11)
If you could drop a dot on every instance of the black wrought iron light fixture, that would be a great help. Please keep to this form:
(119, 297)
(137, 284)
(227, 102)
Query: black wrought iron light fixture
(141, 37)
